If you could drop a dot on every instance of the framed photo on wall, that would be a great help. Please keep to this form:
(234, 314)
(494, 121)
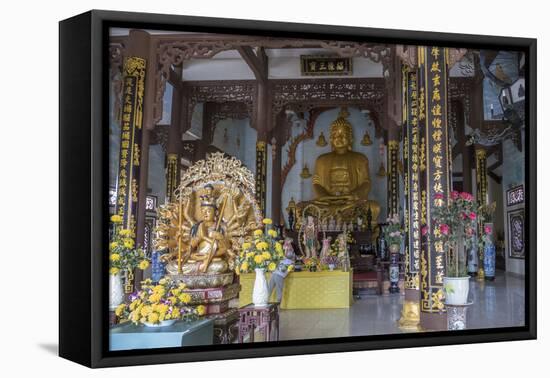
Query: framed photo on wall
(516, 233)
(235, 189)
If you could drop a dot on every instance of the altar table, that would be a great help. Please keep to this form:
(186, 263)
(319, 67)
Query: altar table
(306, 290)
(129, 336)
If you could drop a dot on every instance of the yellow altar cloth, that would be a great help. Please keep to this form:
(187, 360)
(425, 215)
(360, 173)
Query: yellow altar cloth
(306, 290)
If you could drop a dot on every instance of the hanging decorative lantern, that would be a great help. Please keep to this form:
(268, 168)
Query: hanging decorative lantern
(321, 141)
(366, 141)
(305, 172)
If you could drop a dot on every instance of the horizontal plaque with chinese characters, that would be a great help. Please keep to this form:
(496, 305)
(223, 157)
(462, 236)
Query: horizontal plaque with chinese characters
(320, 65)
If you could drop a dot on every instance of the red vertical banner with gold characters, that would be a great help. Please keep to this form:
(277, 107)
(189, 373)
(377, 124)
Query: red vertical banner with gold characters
(433, 73)
(130, 140)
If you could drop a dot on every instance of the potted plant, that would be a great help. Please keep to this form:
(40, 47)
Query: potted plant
(455, 227)
(159, 305)
(261, 253)
(124, 257)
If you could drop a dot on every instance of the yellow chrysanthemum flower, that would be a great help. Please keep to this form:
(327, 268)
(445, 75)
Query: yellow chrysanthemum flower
(267, 221)
(272, 233)
(115, 257)
(290, 268)
(120, 308)
(154, 298)
(278, 247)
(175, 313)
(116, 218)
(249, 255)
(272, 266)
(173, 300)
(244, 266)
(201, 310)
(153, 317)
(113, 245)
(185, 298)
(258, 259)
(134, 317)
(146, 310)
(129, 243)
(125, 232)
(258, 233)
(266, 255)
(163, 281)
(144, 264)
(246, 245)
(114, 270)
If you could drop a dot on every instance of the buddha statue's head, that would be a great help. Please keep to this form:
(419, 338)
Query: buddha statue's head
(341, 133)
(208, 209)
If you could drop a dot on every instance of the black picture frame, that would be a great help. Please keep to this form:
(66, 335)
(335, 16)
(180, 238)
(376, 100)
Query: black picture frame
(83, 197)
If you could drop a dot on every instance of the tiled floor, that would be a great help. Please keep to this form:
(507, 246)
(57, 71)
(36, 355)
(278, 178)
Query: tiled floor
(495, 304)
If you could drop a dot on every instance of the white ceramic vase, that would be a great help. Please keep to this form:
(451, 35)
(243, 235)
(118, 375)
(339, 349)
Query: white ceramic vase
(260, 295)
(456, 290)
(116, 291)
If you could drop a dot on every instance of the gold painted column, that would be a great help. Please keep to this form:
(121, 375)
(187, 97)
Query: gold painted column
(482, 197)
(410, 314)
(434, 127)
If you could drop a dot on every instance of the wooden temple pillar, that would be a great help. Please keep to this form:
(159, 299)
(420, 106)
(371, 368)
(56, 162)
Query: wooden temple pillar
(465, 150)
(136, 123)
(173, 147)
(435, 180)
(394, 118)
(410, 314)
(476, 122)
(276, 179)
(263, 119)
(207, 131)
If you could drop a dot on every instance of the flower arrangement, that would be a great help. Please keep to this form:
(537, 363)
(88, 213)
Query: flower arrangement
(393, 233)
(264, 251)
(311, 264)
(123, 253)
(455, 227)
(154, 304)
(331, 260)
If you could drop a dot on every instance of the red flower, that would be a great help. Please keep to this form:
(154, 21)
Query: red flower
(466, 196)
(444, 229)
(439, 196)
(424, 230)
(463, 215)
(472, 216)
(488, 229)
(454, 194)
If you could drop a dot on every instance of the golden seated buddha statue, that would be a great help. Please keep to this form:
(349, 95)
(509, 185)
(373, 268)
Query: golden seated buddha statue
(341, 180)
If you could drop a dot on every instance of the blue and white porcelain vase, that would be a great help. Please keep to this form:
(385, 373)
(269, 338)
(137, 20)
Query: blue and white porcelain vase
(489, 256)
(489, 253)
